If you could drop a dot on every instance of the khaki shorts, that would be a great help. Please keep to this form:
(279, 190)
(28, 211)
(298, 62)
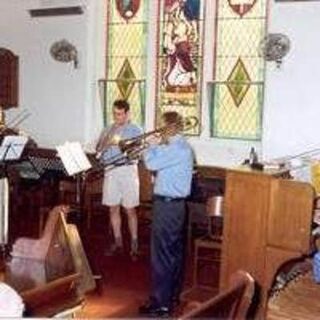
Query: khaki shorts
(121, 187)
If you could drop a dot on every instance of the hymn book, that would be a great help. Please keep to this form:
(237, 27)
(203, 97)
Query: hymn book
(73, 157)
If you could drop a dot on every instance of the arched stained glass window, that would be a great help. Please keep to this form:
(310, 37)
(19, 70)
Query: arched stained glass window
(237, 89)
(180, 58)
(126, 57)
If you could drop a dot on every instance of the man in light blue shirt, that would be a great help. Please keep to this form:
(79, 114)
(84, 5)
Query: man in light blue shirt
(173, 163)
(121, 184)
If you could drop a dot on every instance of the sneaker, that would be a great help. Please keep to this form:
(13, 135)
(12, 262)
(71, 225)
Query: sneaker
(113, 250)
(134, 256)
(134, 250)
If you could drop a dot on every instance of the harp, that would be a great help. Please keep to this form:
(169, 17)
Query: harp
(57, 254)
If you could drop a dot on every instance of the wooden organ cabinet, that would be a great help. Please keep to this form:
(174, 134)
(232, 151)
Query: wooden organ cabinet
(267, 222)
(8, 79)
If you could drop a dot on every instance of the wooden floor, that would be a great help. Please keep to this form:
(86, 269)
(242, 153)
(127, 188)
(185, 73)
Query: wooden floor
(125, 283)
(125, 287)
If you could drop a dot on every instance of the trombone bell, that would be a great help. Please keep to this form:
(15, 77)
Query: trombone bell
(190, 123)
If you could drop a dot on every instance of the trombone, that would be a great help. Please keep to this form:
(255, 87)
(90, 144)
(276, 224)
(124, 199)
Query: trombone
(131, 149)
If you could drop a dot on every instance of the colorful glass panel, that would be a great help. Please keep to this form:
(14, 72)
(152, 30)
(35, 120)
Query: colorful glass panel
(237, 89)
(126, 57)
(180, 58)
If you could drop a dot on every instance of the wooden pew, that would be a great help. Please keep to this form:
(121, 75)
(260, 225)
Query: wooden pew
(52, 298)
(231, 303)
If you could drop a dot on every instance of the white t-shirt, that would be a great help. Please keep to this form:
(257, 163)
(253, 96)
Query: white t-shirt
(11, 304)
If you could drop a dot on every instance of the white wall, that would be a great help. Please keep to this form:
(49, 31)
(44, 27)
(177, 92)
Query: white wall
(292, 108)
(54, 92)
(65, 103)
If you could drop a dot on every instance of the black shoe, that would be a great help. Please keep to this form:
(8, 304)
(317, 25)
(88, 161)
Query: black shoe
(150, 310)
(175, 302)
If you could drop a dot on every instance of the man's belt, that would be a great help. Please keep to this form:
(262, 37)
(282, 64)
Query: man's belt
(168, 199)
(123, 164)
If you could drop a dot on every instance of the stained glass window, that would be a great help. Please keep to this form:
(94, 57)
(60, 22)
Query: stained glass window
(237, 89)
(180, 58)
(126, 57)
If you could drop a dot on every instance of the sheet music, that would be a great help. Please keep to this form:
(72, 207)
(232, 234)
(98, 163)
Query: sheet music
(12, 147)
(73, 157)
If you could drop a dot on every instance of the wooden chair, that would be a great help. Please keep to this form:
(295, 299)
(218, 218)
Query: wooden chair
(232, 303)
(207, 253)
(207, 249)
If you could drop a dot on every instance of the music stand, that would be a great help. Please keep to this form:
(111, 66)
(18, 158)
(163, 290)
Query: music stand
(12, 147)
(76, 163)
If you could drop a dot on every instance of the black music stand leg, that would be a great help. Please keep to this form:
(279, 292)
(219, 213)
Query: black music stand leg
(4, 254)
(76, 214)
(4, 161)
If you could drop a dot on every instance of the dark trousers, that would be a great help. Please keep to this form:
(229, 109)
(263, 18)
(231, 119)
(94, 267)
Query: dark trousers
(167, 250)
